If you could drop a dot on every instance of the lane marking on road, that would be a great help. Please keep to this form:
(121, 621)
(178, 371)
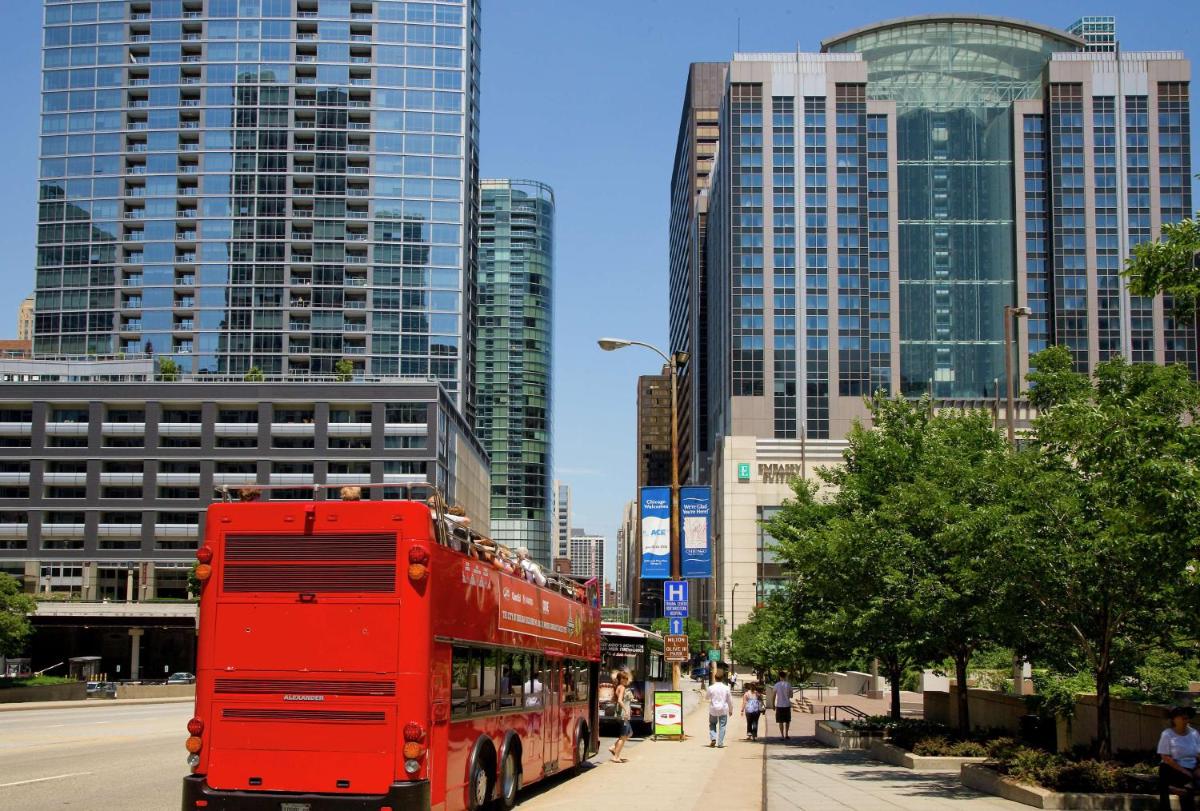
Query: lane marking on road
(44, 779)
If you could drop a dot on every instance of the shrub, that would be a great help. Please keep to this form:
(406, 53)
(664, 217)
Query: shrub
(1071, 774)
(940, 746)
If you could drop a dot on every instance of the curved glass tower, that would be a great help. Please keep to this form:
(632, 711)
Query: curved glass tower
(516, 268)
(954, 80)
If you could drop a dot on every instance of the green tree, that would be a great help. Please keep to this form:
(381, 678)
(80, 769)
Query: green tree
(852, 586)
(343, 370)
(254, 375)
(168, 370)
(1103, 519)
(15, 608)
(1170, 265)
(770, 641)
(698, 637)
(900, 562)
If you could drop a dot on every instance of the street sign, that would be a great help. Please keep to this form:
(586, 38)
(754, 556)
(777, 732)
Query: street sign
(676, 648)
(676, 625)
(675, 598)
(714, 655)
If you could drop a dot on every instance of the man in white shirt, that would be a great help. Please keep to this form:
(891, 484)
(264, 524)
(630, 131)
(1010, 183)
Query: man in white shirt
(720, 703)
(783, 704)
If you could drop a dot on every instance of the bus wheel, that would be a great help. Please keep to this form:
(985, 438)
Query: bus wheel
(480, 786)
(510, 780)
(581, 744)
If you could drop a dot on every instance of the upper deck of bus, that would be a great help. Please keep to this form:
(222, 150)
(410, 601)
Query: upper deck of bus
(366, 551)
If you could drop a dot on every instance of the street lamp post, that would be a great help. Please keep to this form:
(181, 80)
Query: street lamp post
(1010, 313)
(673, 361)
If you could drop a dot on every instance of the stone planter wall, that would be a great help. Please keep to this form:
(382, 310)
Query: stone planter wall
(992, 782)
(838, 735)
(888, 753)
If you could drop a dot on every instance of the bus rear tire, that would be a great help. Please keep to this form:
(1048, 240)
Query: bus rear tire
(480, 783)
(510, 780)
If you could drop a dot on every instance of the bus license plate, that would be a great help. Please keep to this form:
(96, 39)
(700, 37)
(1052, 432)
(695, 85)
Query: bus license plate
(295, 807)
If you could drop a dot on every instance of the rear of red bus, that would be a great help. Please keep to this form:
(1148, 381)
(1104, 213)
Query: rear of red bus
(312, 687)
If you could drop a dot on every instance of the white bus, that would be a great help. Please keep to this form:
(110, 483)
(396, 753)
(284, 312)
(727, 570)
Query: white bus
(628, 647)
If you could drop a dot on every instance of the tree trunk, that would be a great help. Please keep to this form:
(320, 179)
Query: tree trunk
(964, 700)
(895, 676)
(1103, 715)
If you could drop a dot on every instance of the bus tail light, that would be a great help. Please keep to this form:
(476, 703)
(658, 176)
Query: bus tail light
(194, 745)
(418, 563)
(204, 554)
(414, 741)
(203, 572)
(195, 727)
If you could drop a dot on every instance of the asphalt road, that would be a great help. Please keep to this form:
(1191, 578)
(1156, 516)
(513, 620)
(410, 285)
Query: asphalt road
(116, 758)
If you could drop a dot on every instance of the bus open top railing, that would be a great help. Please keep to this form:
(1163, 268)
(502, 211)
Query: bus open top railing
(451, 531)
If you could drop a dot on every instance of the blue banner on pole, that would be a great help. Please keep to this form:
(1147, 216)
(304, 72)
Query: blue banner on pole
(656, 533)
(695, 504)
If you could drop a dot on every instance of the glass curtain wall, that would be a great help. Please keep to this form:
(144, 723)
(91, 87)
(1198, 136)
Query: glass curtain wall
(954, 82)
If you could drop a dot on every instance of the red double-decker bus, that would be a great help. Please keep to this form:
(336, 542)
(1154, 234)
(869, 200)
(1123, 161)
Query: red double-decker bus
(374, 655)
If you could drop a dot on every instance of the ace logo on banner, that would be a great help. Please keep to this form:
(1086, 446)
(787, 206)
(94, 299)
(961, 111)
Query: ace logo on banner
(656, 533)
(696, 505)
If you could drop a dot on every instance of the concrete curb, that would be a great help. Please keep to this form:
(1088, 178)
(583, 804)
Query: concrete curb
(95, 702)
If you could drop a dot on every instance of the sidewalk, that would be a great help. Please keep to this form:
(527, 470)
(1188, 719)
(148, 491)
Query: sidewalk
(679, 775)
(803, 775)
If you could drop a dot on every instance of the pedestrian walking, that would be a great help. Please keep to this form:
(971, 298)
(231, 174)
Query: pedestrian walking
(720, 703)
(783, 704)
(623, 696)
(752, 707)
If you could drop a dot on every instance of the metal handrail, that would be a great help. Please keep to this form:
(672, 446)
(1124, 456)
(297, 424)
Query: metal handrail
(831, 712)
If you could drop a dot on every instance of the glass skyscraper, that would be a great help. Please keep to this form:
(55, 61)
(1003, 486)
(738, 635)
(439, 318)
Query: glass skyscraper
(276, 185)
(516, 269)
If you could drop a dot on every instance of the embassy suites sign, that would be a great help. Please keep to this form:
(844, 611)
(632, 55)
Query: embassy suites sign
(779, 472)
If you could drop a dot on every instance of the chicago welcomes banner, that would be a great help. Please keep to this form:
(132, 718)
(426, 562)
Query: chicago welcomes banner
(656, 533)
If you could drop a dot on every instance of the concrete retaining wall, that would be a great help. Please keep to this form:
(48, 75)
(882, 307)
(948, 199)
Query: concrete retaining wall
(155, 690)
(989, 781)
(1135, 726)
(76, 691)
(989, 709)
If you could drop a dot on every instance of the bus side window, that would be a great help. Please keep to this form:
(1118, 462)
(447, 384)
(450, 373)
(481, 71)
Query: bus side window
(579, 672)
(483, 680)
(512, 679)
(460, 680)
(534, 682)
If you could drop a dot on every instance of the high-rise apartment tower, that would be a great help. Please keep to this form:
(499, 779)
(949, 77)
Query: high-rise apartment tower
(277, 185)
(515, 328)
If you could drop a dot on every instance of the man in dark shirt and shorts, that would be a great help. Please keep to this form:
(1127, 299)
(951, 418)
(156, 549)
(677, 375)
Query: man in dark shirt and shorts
(783, 704)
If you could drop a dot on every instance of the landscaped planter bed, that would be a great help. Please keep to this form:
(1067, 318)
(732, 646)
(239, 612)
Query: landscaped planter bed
(989, 781)
(888, 753)
(841, 736)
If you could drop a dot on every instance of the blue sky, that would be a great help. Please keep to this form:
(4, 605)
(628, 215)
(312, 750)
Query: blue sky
(584, 96)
